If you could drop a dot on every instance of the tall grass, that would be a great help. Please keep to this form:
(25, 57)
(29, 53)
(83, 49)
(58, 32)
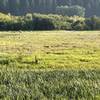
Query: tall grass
(49, 85)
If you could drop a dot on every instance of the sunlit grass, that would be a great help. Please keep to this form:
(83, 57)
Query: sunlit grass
(50, 65)
(53, 49)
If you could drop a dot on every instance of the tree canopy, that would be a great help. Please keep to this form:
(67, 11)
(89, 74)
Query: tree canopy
(70, 10)
(21, 7)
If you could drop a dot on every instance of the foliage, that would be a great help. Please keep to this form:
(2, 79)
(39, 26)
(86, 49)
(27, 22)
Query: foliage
(79, 25)
(93, 23)
(34, 22)
(71, 10)
(48, 22)
(21, 7)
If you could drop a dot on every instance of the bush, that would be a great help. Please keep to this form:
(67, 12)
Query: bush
(78, 25)
(43, 24)
(47, 22)
(93, 23)
(35, 22)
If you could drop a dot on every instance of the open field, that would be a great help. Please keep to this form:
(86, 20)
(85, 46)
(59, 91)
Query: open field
(50, 65)
(51, 49)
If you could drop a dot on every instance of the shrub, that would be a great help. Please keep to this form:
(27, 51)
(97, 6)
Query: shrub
(78, 25)
(93, 23)
(47, 22)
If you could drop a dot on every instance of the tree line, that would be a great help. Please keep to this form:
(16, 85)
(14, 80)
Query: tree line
(21, 7)
(47, 22)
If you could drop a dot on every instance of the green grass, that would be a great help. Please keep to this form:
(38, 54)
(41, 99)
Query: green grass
(50, 65)
(52, 49)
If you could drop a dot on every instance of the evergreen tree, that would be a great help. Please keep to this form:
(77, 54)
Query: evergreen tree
(18, 7)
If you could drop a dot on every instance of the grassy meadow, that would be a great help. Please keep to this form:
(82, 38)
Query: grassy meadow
(50, 65)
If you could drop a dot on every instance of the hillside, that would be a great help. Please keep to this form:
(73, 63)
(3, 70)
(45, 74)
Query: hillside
(20, 7)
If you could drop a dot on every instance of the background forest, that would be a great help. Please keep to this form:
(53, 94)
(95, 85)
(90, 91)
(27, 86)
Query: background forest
(21, 7)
